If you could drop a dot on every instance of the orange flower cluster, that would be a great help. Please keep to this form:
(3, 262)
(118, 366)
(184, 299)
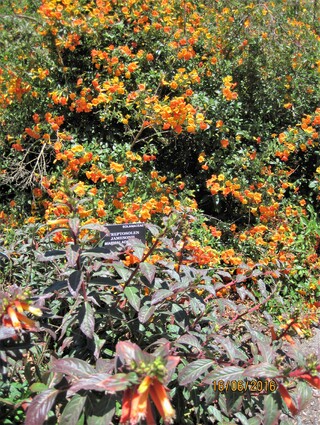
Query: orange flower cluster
(228, 85)
(294, 140)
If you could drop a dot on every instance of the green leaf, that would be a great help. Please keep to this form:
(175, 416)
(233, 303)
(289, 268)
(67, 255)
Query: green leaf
(138, 248)
(123, 271)
(242, 418)
(131, 293)
(87, 321)
(71, 413)
(148, 270)
(194, 370)
(145, 312)
(212, 410)
(271, 411)
(103, 411)
(38, 387)
(303, 394)
(102, 280)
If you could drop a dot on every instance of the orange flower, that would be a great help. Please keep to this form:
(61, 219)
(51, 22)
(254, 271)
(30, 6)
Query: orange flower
(116, 167)
(12, 308)
(224, 143)
(136, 403)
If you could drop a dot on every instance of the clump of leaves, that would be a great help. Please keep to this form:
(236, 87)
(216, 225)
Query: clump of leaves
(233, 359)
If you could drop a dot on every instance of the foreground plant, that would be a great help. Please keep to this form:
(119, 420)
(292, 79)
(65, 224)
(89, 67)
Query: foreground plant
(155, 369)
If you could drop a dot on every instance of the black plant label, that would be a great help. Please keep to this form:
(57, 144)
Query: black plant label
(120, 234)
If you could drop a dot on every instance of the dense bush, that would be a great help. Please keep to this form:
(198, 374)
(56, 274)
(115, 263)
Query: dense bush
(200, 120)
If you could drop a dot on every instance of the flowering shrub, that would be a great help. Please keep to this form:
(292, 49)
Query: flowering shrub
(200, 120)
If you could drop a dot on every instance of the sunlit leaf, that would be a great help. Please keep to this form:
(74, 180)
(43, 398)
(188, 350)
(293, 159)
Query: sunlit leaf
(261, 370)
(133, 296)
(145, 313)
(229, 373)
(73, 367)
(87, 320)
(271, 411)
(194, 371)
(40, 407)
(148, 270)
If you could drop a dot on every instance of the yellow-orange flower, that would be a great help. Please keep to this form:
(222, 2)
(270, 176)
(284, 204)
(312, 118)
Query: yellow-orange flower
(116, 167)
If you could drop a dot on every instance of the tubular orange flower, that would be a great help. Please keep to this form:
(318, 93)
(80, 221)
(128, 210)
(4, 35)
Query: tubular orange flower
(161, 400)
(136, 403)
(138, 406)
(13, 304)
(126, 406)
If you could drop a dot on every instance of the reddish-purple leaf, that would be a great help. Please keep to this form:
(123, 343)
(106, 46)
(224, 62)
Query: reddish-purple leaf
(128, 352)
(86, 318)
(161, 295)
(148, 270)
(74, 282)
(73, 367)
(229, 373)
(194, 370)
(153, 229)
(189, 340)
(40, 407)
(72, 254)
(74, 224)
(6, 332)
(103, 280)
(261, 370)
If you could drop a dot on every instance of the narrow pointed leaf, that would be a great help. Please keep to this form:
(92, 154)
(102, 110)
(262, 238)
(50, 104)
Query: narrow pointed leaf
(261, 370)
(40, 407)
(194, 370)
(123, 271)
(161, 295)
(132, 295)
(145, 312)
(73, 367)
(229, 373)
(271, 412)
(87, 320)
(102, 280)
(148, 270)
(74, 282)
